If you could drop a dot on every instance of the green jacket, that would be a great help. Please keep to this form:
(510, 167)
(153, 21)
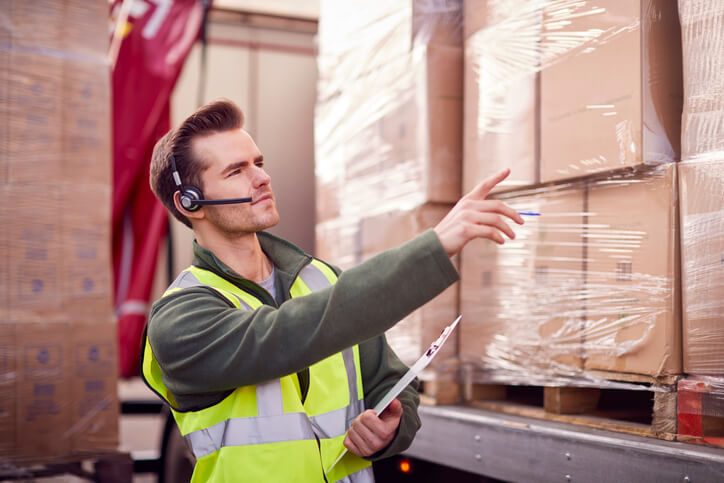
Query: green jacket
(206, 348)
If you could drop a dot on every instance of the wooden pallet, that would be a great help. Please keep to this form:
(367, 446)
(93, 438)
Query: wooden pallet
(642, 405)
(439, 392)
(650, 413)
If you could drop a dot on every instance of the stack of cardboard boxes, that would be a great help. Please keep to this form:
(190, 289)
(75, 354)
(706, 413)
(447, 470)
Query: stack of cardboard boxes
(701, 184)
(590, 114)
(583, 100)
(57, 331)
(591, 287)
(388, 130)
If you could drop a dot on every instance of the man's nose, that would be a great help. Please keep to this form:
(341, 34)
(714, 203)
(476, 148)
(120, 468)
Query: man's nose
(261, 177)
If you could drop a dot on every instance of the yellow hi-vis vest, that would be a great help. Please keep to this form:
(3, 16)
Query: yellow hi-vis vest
(264, 433)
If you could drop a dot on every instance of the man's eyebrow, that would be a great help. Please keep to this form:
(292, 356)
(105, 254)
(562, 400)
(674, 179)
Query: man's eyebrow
(259, 158)
(233, 166)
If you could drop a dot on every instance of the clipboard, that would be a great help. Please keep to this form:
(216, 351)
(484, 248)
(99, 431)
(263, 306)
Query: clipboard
(410, 375)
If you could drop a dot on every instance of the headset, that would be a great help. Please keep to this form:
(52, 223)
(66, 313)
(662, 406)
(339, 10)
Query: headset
(191, 197)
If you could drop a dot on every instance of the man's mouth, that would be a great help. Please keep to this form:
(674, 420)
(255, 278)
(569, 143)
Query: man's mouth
(262, 198)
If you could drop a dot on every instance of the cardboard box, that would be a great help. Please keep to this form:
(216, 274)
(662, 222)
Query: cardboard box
(412, 336)
(4, 256)
(35, 118)
(521, 302)
(611, 87)
(347, 29)
(501, 98)
(35, 252)
(407, 150)
(702, 24)
(8, 389)
(86, 29)
(95, 398)
(702, 270)
(4, 109)
(44, 409)
(483, 331)
(86, 129)
(37, 24)
(633, 316)
(388, 126)
(86, 260)
(559, 271)
(338, 242)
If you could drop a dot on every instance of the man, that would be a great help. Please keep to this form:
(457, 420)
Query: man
(269, 357)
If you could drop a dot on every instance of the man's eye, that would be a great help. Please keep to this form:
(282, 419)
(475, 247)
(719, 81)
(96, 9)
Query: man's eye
(234, 173)
(260, 164)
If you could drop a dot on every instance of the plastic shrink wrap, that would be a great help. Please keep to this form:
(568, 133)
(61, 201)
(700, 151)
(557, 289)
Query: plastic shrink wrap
(701, 191)
(388, 140)
(587, 290)
(702, 186)
(583, 101)
(57, 332)
(559, 89)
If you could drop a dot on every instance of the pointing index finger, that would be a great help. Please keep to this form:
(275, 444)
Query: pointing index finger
(484, 187)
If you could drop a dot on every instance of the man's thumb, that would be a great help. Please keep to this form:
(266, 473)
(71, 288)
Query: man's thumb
(393, 411)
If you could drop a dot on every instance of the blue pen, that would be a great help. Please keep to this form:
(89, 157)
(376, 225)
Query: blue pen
(528, 213)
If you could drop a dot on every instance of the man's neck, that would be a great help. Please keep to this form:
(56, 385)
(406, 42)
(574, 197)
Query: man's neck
(243, 254)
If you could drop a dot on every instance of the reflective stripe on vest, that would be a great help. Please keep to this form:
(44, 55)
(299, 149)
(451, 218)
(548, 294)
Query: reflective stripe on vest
(272, 425)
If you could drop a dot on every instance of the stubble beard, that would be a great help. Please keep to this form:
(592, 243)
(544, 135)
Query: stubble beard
(235, 222)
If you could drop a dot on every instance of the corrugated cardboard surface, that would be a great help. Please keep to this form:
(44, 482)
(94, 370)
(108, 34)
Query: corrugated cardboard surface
(388, 123)
(37, 24)
(521, 302)
(4, 258)
(633, 319)
(500, 111)
(35, 251)
(44, 389)
(86, 129)
(8, 388)
(35, 117)
(395, 137)
(591, 284)
(702, 29)
(95, 399)
(702, 244)
(86, 240)
(617, 102)
(4, 108)
(57, 333)
(412, 336)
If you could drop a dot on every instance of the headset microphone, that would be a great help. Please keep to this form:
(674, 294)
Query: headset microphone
(191, 197)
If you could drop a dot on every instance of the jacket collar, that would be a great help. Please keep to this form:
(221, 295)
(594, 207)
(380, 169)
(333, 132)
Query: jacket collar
(287, 258)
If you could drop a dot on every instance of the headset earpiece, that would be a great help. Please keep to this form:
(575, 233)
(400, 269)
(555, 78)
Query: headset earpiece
(188, 197)
(191, 198)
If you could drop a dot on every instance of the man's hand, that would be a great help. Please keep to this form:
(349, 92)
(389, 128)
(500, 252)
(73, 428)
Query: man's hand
(475, 217)
(369, 433)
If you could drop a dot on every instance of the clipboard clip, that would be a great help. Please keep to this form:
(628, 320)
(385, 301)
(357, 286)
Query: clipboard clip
(435, 346)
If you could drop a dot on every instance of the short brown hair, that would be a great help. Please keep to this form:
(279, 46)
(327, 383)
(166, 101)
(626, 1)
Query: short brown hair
(218, 116)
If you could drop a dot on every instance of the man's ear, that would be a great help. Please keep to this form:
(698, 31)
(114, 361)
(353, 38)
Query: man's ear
(191, 215)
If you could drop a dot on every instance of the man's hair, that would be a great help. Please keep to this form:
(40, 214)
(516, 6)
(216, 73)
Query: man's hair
(218, 116)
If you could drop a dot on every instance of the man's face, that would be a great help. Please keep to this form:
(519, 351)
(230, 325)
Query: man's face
(236, 170)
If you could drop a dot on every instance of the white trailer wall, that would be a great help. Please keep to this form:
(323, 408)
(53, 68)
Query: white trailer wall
(267, 65)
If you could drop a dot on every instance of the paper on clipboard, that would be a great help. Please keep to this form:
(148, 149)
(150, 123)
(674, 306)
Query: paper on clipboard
(410, 375)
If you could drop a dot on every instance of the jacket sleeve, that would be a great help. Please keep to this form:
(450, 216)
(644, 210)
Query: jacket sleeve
(203, 345)
(381, 369)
